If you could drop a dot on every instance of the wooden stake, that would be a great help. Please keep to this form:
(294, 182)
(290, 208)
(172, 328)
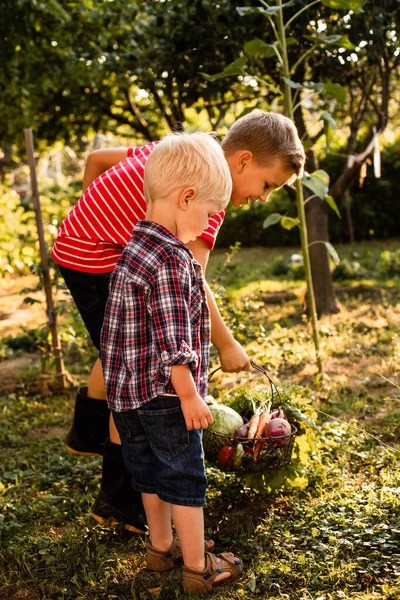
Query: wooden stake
(51, 314)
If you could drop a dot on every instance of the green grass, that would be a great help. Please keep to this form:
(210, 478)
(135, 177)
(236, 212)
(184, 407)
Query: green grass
(326, 528)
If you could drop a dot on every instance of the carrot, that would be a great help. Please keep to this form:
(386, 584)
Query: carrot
(253, 424)
(264, 419)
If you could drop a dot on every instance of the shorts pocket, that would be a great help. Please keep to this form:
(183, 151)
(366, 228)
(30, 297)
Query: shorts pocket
(166, 430)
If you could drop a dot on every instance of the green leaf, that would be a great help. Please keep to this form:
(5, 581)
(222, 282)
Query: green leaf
(30, 300)
(293, 84)
(346, 43)
(343, 4)
(252, 583)
(272, 220)
(250, 10)
(332, 252)
(331, 39)
(329, 127)
(289, 222)
(290, 41)
(333, 205)
(259, 47)
(336, 91)
(325, 116)
(235, 68)
(273, 10)
(317, 182)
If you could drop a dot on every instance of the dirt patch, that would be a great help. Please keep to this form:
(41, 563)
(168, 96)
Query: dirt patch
(366, 292)
(278, 297)
(13, 369)
(22, 593)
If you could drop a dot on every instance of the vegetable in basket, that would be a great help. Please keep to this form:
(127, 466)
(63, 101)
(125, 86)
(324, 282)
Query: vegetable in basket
(226, 420)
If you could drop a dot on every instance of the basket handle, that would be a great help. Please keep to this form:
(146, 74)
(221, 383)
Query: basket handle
(263, 370)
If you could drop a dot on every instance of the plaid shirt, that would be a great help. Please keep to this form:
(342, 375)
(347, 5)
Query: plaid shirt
(156, 317)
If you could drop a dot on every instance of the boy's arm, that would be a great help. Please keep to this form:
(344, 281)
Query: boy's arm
(99, 161)
(232, 356)
(195, 410)
(172, 337)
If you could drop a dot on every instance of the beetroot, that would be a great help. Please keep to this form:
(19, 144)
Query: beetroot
(242, 431)
(278, 413)
(279, 430)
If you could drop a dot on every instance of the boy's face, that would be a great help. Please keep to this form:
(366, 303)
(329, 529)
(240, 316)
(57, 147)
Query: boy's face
(252, 181)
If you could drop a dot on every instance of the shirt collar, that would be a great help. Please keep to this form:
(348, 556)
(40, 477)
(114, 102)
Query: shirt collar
(149, 228)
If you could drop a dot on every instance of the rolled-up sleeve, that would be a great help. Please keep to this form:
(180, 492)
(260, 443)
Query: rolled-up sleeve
(171, 312)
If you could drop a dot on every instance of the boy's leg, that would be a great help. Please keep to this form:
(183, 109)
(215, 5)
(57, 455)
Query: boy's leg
(117, 502)
(91, 416)
(158, 514)
(189, 524)
(96, 388)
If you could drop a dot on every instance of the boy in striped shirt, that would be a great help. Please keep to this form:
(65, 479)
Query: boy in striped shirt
(263, 152)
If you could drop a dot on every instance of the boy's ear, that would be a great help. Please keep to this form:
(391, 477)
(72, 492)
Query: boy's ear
(186, 196)
(243, 159)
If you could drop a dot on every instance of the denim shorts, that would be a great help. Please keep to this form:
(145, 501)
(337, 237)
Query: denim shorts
(90, 293)
(162, 456)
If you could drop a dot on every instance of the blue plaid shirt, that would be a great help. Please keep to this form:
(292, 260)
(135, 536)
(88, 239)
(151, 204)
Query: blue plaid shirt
(156, 317)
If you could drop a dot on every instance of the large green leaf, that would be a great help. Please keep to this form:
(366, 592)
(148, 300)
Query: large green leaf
(235, 68)
(317, 182)
(343, 4)
(336, 91)
(259, 47)
(272, 220)
(333, 205)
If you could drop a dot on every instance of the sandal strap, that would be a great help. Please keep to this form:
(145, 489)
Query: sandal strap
(165, 560)
(204, 581)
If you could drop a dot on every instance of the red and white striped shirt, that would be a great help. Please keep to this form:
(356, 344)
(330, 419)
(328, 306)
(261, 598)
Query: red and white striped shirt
(91, 238)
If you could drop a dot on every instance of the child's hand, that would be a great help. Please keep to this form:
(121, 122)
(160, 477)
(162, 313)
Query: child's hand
(233, 358)
(196, 413)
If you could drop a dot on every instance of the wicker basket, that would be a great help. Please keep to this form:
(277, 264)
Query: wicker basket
(248, 455)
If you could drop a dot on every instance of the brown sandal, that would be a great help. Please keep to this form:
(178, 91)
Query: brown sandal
(198, 582)
(159, 560)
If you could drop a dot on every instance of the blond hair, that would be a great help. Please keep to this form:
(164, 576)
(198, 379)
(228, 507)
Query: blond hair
(267, 136)
(188, 160)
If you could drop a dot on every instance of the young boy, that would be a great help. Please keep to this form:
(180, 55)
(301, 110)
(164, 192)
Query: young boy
(155, 351)
(263, 152)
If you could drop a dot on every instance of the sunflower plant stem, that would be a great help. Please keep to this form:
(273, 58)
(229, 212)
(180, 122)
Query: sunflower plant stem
(288, 103)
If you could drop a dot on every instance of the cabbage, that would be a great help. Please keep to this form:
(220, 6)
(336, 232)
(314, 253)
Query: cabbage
(226, 420)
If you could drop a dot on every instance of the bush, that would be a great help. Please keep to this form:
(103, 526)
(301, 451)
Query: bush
(20, 247)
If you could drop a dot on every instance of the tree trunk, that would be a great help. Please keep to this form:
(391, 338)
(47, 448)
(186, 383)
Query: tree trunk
(317, 228)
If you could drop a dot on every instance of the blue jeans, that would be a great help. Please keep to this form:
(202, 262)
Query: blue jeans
(162, 456)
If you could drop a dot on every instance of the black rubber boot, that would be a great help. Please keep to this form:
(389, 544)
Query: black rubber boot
(89, 427)
(117, 502)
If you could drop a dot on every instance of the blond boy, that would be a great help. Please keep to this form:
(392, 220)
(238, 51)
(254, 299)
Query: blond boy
(155, 352)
